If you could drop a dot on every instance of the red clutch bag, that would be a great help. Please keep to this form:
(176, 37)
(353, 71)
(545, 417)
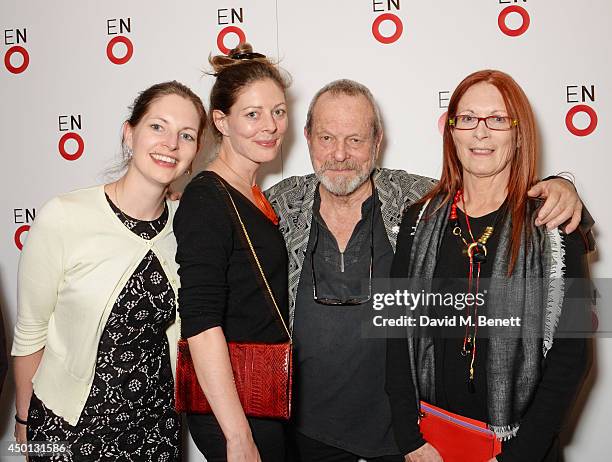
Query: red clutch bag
(457, 438)
(262, 373)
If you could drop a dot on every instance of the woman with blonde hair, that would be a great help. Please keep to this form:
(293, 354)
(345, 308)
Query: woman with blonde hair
(222, 297)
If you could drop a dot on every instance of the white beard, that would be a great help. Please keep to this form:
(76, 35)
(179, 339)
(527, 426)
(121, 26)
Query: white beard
(343, 186)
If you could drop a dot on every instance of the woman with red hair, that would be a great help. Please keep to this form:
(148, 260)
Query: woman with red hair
(504, 363)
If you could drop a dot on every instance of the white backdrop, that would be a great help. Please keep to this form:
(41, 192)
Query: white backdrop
(57, 80)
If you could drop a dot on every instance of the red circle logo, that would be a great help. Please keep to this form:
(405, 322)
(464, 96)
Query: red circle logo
(501, 20)
(24, 55)
(18, 233)
(569, 120)
(110, 50)
(399, 28)
(62, 146)
(229, 30)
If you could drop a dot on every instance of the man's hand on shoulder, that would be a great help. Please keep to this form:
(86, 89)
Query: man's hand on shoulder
(561, 205)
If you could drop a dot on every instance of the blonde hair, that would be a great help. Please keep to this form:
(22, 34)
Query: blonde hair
(233, 72)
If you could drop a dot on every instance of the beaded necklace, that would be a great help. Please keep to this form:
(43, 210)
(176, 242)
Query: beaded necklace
(476, 252)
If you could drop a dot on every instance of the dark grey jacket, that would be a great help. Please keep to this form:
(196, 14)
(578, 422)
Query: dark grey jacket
(293, 197)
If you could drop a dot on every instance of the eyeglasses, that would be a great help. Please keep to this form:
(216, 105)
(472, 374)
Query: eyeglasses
(470, 122)
(350, 301)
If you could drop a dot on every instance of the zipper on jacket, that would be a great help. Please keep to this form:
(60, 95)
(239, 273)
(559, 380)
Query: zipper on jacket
(342, 262)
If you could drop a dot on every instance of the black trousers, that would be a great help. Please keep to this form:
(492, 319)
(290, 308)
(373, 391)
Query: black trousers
(310, 450)
(269, 436)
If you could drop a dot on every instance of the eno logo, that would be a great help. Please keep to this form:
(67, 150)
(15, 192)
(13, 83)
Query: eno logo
(22, 217)
(387, 20)
(16, 57)
(71, 145)
(119, 49)
(581, 111)
(229, 18)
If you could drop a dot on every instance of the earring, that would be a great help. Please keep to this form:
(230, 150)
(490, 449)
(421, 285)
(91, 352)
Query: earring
(128, 152)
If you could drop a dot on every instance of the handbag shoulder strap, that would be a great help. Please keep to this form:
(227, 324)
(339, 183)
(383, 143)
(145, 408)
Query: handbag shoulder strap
(259, 267)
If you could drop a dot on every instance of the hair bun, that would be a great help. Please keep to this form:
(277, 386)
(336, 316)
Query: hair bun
(241, 67)
(240, 56)
(243, 52)
(241, 48)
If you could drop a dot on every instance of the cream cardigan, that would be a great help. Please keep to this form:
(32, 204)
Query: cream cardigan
(77, 258)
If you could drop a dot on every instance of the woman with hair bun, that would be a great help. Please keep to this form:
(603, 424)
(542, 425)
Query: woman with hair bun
(95, 340)
(222, 298)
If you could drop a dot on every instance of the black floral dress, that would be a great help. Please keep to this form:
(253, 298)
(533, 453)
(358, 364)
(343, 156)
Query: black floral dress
(129, 415)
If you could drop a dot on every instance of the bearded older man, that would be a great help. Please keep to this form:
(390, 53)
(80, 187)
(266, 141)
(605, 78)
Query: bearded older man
(340, 225)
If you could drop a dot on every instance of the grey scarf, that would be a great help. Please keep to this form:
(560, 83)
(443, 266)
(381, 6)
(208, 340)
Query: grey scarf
(534, 292)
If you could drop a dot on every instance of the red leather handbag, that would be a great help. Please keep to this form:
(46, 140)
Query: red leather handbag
(262, 371)
(457, 438)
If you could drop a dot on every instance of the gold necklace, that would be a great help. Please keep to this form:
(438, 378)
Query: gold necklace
(236, 173)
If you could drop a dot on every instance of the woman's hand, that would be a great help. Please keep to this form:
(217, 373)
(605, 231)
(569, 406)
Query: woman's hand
(494, 459)
(21, 435)
(214, 370)
(426, 453)
(24, 368)
(242, 449)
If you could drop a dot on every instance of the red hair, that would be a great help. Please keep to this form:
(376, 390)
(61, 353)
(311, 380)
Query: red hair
(523, 163)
